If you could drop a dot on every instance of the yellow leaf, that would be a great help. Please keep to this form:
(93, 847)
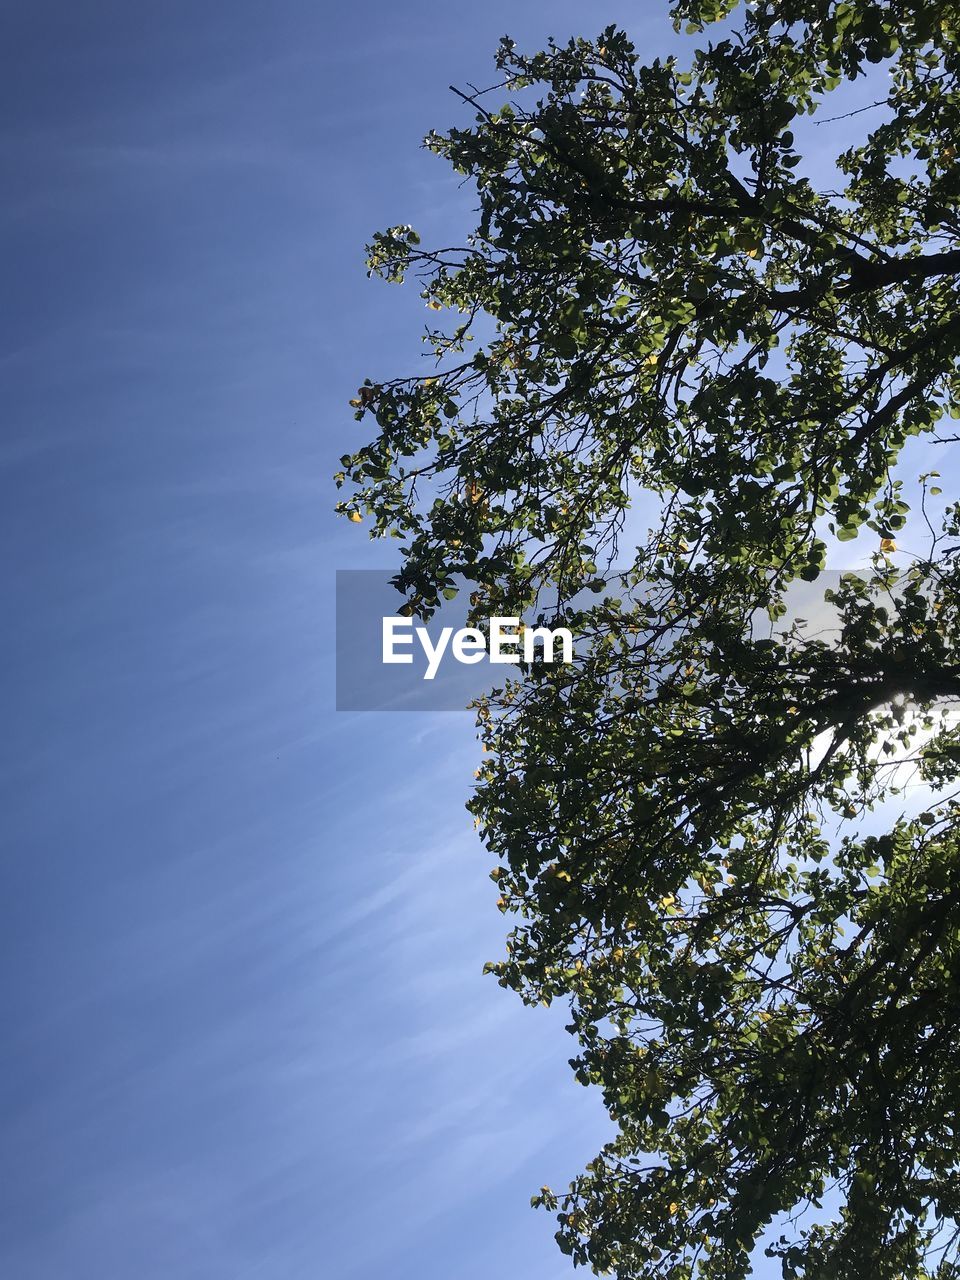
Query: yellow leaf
(887, 544)
(356, 517)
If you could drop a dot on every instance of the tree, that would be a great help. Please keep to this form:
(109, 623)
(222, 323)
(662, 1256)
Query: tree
(656, 302)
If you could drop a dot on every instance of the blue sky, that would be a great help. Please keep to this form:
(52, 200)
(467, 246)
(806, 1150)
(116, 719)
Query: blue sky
(246, 1030)
(247, 1036)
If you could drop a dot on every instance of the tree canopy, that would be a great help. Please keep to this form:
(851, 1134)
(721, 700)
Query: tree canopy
(662, 308)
